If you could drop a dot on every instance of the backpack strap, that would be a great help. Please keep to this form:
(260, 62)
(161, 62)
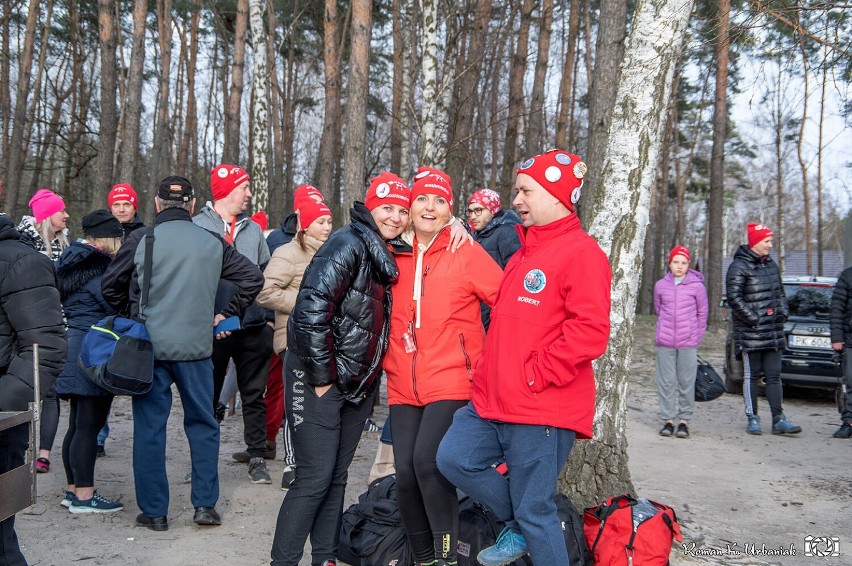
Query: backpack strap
(146, 282)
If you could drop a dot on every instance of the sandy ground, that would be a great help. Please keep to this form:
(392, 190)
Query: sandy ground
(737, 496)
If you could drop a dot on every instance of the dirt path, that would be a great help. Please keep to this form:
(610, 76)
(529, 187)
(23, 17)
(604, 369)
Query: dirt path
(727, 487)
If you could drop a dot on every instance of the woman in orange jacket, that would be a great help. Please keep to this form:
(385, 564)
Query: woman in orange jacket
(436, 340)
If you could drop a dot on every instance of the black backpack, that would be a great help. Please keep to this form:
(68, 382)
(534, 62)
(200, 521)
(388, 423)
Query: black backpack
(479, 528)
(371, 532)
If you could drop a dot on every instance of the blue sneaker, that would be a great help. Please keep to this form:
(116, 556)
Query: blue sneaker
(754, 425)
(780, 425)
(67, 499)
(97, 504)
(510, 546)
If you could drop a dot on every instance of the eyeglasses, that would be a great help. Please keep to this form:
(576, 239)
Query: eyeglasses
(474, 212)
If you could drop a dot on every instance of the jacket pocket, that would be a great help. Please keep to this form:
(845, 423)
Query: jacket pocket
(467, 363)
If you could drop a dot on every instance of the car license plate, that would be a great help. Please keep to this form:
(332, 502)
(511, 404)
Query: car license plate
(821, 342)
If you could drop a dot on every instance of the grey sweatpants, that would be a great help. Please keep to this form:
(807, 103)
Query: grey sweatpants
(676, 382)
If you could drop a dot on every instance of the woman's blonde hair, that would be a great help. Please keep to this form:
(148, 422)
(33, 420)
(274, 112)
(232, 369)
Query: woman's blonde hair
(45, 230)
(108, 245)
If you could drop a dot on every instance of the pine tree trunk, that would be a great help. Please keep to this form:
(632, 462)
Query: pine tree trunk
(328, 158)
(516, 103)
(396, 88)
(803, 166)
(187, 152)
(109, 109)
(716, 201)
(566, 85)
(599, 468)
(231, 146)
(278, 193)
(260, 115)
(162, 144)
(609, 54)
(356, 105)
(534, 138)
(14, 175)
(130, 141)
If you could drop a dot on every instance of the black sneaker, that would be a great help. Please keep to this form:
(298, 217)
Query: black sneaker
(845, 431)
(682, 431)
(287, 477)
(257, 471)
(667, 430)
(219, 413)
(100, 451)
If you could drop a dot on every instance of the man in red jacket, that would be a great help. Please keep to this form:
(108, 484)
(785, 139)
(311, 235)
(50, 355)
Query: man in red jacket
(534, 388)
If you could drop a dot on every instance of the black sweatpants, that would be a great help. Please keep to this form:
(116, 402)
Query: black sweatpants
(251, 350)
(86, 418)
(428, 503)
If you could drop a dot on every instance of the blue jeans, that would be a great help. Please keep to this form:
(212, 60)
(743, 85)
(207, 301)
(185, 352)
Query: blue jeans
(103, 434)
(534, 454)
(194, 380)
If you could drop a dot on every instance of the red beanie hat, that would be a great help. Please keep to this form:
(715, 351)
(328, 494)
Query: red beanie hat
(46, 203)
(308, 192)
(122, 193)
(559, 173)
(310, 210)
(387, 188)
(487, 198)
(429, 181)
(261, 219)
(225, 178)
(679, 250)
(757, 233)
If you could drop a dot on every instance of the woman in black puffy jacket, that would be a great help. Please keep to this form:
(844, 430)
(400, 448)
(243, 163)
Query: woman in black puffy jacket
(79, 274)
(759, 308)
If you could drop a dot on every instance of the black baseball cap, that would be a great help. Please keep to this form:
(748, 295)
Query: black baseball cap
(175, 188)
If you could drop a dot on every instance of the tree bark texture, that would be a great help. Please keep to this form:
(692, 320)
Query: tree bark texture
(328, 158)
(803, 166)
(231, 146)
(534, 138)
(130, 139)
(431, 148)
(260, 115)
(109, 108)
(599, 468)
(162, 144)
(566, 84)
(609, 54)
(356, 110)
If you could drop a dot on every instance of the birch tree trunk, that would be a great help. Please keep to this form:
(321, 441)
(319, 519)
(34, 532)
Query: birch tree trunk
(619, 220)
(534, 139)
(16, 158)
(260, 116)
(609, 53)
(716, 201)
(408, 19)
(231, 147)
(356, 105)
(130, 140)
(430, 134)
(109, 109)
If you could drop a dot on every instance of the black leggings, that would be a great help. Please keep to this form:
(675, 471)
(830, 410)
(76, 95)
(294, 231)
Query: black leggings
(428, 503)
(49, 420)
(79, 449)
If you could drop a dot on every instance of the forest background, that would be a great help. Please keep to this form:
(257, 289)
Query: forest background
(96, 92)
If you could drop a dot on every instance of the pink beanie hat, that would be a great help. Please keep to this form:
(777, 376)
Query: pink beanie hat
(46, 203)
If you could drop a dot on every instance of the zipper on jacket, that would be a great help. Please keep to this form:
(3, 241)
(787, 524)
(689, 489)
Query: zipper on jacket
(466, 357)
(414, 363)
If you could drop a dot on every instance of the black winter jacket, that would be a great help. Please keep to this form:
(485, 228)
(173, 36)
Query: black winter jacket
(287, 232)
(30, 313)
(501, 240)
(841, 309)
(132, 226)
(757, 301)
(338, 331)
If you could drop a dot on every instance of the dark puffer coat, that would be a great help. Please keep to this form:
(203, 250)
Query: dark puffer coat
(757, 301)
(287, 232)
(79, 272)
(500, 239)
(338, 330)
(841, 309)
(30, 313)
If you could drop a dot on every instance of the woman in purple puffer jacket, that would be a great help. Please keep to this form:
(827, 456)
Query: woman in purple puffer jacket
(680, 300)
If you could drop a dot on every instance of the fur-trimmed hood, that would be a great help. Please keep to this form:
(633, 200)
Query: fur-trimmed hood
(79, 264)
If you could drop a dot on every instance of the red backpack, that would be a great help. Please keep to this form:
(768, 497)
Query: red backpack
(625, 531)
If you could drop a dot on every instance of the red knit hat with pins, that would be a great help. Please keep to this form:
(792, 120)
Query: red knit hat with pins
(559, 172)
(304, 192)
(757, 233)
(679, 250)
(387, 188)
(309, 210)
(225, 178)
(430, 181)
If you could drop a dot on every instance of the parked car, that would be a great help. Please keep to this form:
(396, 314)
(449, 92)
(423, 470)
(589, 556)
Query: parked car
(807, 359)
